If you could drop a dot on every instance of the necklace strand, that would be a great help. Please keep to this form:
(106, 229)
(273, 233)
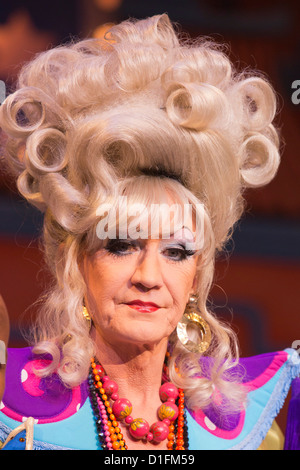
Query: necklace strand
(108, 428)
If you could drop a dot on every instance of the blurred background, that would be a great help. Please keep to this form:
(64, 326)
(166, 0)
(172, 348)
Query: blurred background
(257, 287)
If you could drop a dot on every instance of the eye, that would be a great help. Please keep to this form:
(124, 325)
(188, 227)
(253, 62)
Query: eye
(120, 247)
(178, 254)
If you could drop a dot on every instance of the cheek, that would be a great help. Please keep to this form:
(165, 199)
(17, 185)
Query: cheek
(182, 284)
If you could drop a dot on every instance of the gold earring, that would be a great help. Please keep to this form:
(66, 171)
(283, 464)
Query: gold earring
(191, 318)
(87, 317)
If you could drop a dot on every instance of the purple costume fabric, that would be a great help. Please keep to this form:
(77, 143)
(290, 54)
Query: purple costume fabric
(292, 440)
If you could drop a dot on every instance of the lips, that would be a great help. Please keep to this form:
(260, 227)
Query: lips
(143, 306)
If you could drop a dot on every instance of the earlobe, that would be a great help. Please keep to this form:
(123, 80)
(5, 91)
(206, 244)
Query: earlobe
(195, 284)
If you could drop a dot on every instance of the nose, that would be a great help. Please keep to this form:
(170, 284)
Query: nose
(147, 273)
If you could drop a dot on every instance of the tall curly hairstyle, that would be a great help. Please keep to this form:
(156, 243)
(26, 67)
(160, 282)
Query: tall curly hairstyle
(141, 112)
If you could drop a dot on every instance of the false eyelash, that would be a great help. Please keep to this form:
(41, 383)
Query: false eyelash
(111, 244)
(118, 254)
(186, 254)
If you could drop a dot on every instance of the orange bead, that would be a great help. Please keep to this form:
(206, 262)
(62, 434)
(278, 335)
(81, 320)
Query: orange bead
(116, 445)
(170, 445)
(104, 397)
(179, 442)
(111, 415)
(109, 411)
(120, 436)
(122, 444)
(171, 427)
(102, 391)
(117, 429)
(171, 436)
(97, 378)
(106, 403)
(114, 437)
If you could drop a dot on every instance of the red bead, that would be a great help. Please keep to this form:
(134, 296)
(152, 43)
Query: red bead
(149, 436)
(122, 408)
(167, 391)
(160, 431)
(168, 410)
(139, 428)
(110, 387)
(99, 370)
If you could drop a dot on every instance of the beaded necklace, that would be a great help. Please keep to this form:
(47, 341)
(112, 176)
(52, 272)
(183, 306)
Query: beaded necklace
(172, 425)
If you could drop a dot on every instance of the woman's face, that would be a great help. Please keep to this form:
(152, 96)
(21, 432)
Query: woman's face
(127, 273)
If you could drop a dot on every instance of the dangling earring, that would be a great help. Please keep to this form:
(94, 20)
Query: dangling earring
(191, 317)
(87, 316)
(87, 319)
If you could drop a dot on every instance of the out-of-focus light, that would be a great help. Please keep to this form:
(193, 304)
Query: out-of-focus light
(108, 5)
(100, 31)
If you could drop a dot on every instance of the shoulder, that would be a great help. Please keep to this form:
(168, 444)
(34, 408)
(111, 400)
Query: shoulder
(26, 394)
(52, 405)
(267, 379)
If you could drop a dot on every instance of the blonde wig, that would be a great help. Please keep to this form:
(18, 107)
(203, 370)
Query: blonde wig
(131, 114)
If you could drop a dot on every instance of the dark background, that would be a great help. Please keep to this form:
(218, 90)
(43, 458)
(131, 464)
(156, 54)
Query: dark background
(257, 289)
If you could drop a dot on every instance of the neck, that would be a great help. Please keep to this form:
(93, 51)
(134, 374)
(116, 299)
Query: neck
(137, 369)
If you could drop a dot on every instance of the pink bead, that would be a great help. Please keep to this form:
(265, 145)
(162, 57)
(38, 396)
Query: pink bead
(100, 370)
(160, 431)
(128, 419)
(122, 408)
(168, 410)
(139, 428)
(167, 391)
(149, 436)
(105, 378)
(110, 387)
(114, 396)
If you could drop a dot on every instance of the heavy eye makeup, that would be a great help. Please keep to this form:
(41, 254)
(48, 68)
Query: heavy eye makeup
(174, 252)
